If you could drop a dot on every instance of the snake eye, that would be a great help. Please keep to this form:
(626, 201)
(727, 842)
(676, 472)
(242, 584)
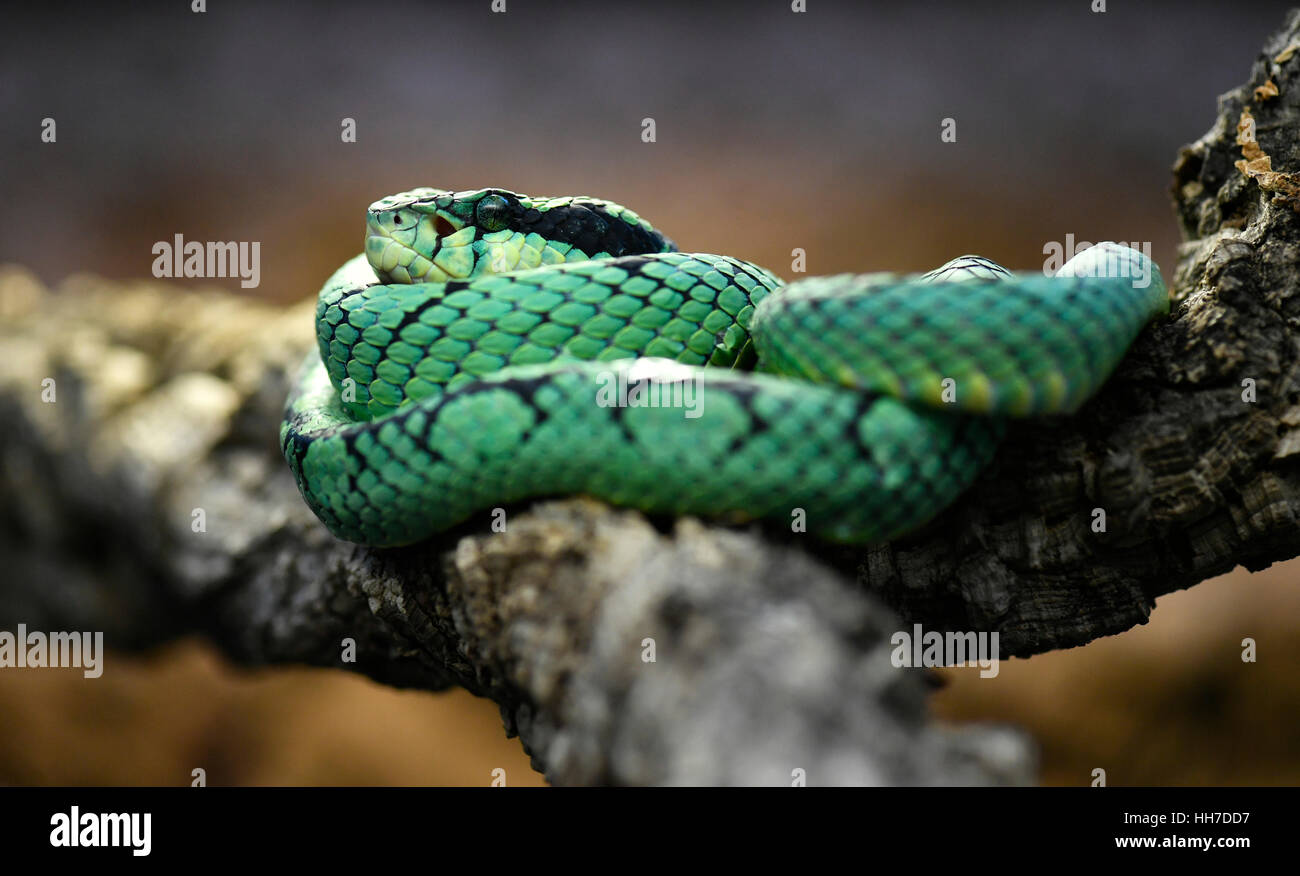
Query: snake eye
(492, 213)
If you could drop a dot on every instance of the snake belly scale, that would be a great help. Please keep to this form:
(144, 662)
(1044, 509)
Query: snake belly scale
(480, 351)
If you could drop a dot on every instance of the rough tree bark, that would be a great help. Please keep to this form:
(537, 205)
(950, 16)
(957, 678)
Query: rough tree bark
(768, 658)
(1190, 449)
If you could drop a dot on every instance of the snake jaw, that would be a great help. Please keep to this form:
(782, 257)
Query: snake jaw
(406, 242)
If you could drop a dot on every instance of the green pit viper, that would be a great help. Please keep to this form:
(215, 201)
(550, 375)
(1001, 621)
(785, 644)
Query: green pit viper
(491, 347)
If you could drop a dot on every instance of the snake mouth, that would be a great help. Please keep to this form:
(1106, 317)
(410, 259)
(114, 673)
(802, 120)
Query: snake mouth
(431, 249)
(387, 255)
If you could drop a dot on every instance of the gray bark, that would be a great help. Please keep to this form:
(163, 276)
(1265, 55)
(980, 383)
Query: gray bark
(1193, 478)
(766, 661)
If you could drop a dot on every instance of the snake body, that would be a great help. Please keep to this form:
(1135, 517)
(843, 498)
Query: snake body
(491, 347)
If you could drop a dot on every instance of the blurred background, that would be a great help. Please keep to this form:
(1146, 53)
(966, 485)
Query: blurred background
(774, 130)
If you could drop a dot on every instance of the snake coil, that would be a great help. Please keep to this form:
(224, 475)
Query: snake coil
(491, 347)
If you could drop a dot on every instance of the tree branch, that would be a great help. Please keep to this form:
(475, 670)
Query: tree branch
(1193, 478)
(164, 421)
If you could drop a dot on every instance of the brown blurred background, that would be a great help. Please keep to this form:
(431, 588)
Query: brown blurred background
(775, 130)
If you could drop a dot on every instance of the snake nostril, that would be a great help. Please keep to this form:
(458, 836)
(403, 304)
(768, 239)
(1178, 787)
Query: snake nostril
(397, 218)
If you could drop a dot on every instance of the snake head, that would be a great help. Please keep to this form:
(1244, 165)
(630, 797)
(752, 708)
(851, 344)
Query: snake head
(427, 235)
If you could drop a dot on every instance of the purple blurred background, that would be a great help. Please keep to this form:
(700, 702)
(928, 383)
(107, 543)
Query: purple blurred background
(775, 129)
